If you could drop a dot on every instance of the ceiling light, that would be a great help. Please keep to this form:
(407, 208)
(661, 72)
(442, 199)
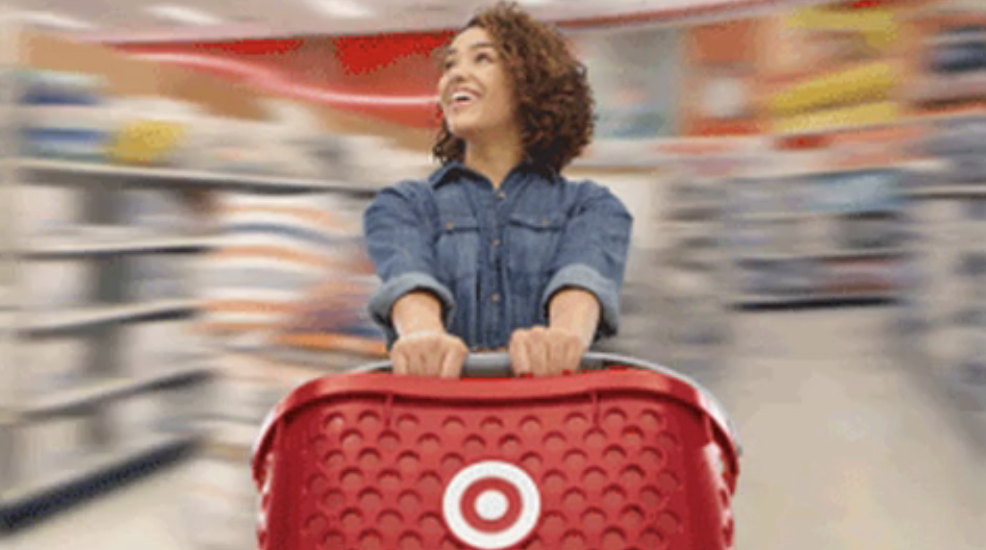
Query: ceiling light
(53, 20)
(343, 8)
(185, 15)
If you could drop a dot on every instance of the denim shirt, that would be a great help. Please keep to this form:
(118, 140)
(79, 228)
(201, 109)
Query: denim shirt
(494, 258)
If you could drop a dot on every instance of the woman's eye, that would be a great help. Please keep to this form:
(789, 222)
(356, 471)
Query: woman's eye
(447, 65)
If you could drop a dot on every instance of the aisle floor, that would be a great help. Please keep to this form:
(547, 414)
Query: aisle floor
(844, 450)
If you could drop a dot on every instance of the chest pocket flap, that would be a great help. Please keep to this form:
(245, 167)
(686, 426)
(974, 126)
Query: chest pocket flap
(533, 240)
(457, 246)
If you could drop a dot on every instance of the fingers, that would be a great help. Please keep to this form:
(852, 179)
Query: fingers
(399, 360)
(538, 351)
(541, 351)
(455, 356)
(519, 357)
(538, 345)
(428, 354)
(529, 352)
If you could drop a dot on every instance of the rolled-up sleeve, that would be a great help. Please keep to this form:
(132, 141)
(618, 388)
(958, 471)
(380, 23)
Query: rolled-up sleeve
(592, 255)
(398, 240)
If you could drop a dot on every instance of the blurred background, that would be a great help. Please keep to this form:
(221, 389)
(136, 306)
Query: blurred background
(181, 189)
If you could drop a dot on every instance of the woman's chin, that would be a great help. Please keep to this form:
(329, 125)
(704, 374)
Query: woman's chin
(462, 130)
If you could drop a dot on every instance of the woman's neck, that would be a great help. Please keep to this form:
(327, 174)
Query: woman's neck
(494, 158)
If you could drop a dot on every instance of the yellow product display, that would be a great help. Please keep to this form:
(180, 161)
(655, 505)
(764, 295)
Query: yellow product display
(147, 142)
(869, 82)
(858, 115)
(878, 26)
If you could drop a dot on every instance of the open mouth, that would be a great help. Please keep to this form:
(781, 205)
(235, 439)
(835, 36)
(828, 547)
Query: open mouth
(462, 98)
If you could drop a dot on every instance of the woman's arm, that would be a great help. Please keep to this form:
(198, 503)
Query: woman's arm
(582, 298)
(398, 240)
(416, 312)
(577, 311)
(412, 305)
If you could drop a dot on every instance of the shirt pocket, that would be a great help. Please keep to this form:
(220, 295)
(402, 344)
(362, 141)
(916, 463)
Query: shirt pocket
(457, 247)
(533, 240)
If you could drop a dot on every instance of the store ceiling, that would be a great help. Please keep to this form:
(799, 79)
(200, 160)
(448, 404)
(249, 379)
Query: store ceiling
(168, 19)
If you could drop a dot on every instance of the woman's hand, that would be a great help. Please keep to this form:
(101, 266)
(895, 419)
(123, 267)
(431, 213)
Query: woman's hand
(433, 353)
(546, 351)
(424, 348)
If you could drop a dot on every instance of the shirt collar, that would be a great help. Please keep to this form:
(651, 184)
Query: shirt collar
(448, 170)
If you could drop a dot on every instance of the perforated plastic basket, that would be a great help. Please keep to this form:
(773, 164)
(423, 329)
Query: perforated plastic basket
(605, 459)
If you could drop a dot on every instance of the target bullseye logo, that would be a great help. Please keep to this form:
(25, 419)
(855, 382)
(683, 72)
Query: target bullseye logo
(491, 505)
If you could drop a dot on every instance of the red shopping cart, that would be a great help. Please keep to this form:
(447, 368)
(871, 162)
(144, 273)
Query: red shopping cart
(622, 455)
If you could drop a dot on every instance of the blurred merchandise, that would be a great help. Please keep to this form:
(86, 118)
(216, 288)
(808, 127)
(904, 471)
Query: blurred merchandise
(634, 90)
(841, 69)
(807, 234)
(273, 251)
(335, 318)
(860, 276)
(691, 315)
(951, 58)
(719, 67)
(868, 82)
(63, 115)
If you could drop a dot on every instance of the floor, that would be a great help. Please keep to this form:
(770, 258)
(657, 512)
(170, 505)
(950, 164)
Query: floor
(844, 450)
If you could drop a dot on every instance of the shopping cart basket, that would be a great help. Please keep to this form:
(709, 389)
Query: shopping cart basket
(622, 455)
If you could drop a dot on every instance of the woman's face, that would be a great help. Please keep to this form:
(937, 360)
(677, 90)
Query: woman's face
(475, 90)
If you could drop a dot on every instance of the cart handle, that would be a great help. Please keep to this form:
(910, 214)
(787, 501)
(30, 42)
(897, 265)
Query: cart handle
(498, 365)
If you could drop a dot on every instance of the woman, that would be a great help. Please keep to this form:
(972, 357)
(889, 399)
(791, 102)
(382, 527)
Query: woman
(496, 249)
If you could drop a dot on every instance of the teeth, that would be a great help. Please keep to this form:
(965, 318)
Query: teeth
(461, 96)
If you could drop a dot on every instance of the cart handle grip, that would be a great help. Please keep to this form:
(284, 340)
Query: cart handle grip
(498, 365)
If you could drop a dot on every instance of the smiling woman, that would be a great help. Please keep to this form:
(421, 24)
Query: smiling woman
(496, 249)
(552, 101)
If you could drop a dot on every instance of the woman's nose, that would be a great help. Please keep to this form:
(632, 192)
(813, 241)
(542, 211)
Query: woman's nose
(455, 75)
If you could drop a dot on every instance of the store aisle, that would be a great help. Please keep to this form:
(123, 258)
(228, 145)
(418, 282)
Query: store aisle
(144, 515)
(844, 451)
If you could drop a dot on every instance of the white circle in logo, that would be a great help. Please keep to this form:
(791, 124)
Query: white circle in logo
(492, 505)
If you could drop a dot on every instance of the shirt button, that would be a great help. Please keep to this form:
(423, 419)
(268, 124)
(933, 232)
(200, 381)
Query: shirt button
(495, 298)
(450, 225)
(496, 243)
(501, 195)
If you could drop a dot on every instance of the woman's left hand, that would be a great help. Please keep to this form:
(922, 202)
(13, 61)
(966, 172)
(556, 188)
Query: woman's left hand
(546, 351)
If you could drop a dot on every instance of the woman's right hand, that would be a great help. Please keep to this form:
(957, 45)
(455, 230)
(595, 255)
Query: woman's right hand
(429, 353)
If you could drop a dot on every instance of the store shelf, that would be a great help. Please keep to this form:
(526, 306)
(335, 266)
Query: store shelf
(776, 216)
(948, 192)
(108, 390)
(71, 247)
(32, 503)
(822, 300)
(67, 172)
(50, 321)
(697, 211)
(831, 255)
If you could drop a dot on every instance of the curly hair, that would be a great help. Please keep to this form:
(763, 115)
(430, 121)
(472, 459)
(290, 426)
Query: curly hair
(554, 102)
